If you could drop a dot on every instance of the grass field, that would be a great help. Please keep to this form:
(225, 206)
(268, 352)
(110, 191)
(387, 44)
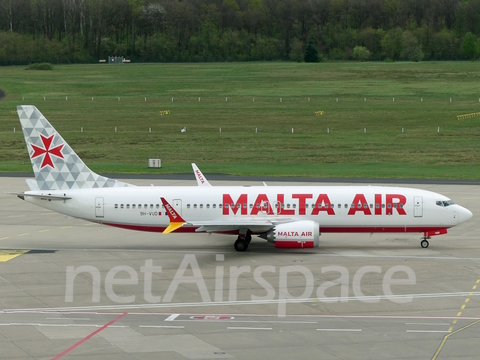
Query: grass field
(256, 135)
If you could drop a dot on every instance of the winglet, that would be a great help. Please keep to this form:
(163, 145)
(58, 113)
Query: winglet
(201, 179)
(176, 221)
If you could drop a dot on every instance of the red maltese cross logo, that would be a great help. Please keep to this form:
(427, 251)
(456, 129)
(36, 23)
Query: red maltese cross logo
(47, 151)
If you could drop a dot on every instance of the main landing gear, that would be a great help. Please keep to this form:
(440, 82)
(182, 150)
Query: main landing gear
(424, 243)
(241, 244)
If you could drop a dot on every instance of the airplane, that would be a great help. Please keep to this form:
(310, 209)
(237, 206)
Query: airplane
(287, 216)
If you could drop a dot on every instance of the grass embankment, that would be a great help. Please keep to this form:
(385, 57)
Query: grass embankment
(256, 135)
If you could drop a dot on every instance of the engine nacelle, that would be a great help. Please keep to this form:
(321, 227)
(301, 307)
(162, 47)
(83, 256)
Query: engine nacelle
(299, 234)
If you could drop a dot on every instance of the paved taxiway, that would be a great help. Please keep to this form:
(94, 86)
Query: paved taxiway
(442, 320)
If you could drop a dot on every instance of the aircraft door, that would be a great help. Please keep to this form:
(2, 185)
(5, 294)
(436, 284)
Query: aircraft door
(177, 204)
(418, 206)
(99, 207)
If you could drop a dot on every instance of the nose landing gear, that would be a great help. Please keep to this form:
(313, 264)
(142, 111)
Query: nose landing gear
(424, 243)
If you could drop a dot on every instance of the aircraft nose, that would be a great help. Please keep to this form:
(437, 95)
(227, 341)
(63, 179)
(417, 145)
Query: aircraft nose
(465, 214)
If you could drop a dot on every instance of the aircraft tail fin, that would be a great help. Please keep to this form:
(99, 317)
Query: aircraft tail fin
(55, 165)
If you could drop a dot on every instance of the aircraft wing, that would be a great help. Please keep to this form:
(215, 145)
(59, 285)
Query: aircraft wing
(254, 224)
(201, 179)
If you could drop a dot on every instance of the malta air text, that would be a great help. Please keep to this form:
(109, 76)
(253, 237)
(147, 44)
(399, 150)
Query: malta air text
(302, 204)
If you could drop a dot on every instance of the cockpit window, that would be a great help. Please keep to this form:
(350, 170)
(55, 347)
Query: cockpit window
(445, 203)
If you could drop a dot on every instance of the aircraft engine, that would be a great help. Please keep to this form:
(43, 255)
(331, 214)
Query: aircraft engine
(299, 234)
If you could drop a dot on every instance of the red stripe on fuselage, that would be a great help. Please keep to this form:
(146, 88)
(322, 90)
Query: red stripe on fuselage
(323, 229)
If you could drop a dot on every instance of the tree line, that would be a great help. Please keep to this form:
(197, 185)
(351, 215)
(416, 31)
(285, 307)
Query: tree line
(82, 31)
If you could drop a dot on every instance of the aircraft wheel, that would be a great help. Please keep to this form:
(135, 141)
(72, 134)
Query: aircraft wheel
(248, 238)
(241, 245)
(424, 244)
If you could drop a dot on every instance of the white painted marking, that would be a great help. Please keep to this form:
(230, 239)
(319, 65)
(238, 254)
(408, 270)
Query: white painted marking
(352, 330)
(250, 302)
(256, 321)
(172, 317)
(162, 327)
(434, 324)
(246, 328)
(66, 318)
(428, 331)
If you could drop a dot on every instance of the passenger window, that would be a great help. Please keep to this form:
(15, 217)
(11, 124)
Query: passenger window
(394, 206)
(194, 206)
(116, 206)
(377, 206)
(371, 206)
(201, 206)
(244, 206)
(151, 206)
(133, 206)
(339, 206)
(158, 206)
(128, 206)
(121, 206)
(401, 206)
(365, 206)
(294, 206)
(359, 206)
(214, 206)
(238, 206)
(145, 206)
(346, 206)
(208, 206)
(389, 206)
(258, 206)
(188, 206)
(288, 206)
(383, 206)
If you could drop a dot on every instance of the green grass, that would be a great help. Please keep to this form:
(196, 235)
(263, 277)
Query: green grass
(346, 151)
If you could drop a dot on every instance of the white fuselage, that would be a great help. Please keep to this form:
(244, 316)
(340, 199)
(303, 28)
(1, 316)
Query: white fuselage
(334, 208)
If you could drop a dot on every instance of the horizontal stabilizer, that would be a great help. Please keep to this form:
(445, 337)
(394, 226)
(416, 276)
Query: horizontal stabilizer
(42, 196)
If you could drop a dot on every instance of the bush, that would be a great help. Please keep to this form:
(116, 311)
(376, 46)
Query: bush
(40, 66)
(361, 53)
